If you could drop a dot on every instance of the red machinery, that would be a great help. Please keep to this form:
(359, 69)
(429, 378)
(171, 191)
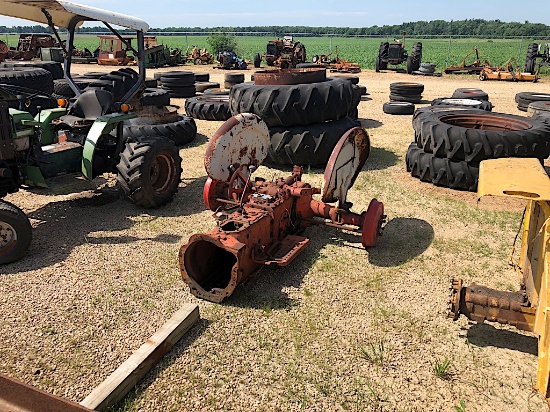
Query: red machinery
(258, 222)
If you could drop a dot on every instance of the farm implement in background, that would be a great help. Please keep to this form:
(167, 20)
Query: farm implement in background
(335, 64)
(529, 308)
(284, 53)
(508, 71)
(473, 68)
(259, 222)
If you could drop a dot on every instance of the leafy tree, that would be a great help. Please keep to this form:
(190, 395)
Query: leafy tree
(220, 42)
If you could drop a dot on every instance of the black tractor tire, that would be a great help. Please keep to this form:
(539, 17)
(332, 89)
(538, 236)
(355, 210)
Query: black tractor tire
(308, 66)
(201, 87)
(202, 77)
(441, 171)
(474, 135)
(306, 145)
(469, 93)
(416, 57)
(149, 171)
(299, 104)
(530, 59)
(398, 108)
(155, 97)
(536, 108)
(234, 78)
(208, 107)
(15, 233)
(217, 92)
(377, 64)
(35, 79)
(524, 99)
(362, 89)
(61, 87)
(350, 77)
(180, 92)
(257, 60)
(181, 132)
(55, 68)
(182, 77)
(469, 103)
(410, 65)
(94, 75)
(383, 50)
(412, 98)
(406, 88)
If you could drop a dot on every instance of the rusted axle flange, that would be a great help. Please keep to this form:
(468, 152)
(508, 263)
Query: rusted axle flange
(290, 76)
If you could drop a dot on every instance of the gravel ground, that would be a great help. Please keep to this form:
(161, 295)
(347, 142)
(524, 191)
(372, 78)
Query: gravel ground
(341, 328)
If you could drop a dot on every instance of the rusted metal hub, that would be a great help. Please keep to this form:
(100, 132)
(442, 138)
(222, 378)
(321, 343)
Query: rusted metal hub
(290, 76)
(162, 173)
(241, 140)
(346, 161)
(480, 303)
(490, 121)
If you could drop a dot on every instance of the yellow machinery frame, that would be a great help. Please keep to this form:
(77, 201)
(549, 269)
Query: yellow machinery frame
(528, 309)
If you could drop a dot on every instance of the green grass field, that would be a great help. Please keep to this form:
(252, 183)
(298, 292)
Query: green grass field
(360, 50)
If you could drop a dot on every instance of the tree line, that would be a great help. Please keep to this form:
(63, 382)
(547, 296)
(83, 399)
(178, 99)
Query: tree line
(469, 27)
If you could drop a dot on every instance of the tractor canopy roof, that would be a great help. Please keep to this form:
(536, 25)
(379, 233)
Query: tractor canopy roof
(63, 13)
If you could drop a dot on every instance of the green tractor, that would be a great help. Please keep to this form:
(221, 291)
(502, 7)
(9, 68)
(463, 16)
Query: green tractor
(85, 138)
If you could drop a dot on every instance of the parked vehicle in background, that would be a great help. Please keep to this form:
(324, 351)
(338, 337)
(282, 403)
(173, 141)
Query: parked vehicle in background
(394, 53)
(537, 51)
(284, 53)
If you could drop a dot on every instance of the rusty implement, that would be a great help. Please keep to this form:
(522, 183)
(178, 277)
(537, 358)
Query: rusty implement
(4, 50)
(529, 308)
(508, 71)
(475, 67)
(259, 222)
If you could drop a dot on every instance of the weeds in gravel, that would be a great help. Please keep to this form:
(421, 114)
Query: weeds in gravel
(375, 353)
(441, 369)
(461, 407)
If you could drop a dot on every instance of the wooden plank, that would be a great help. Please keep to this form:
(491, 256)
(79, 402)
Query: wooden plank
(127, 375)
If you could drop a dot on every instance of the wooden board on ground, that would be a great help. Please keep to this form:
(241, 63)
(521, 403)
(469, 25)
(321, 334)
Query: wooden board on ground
(127, 375)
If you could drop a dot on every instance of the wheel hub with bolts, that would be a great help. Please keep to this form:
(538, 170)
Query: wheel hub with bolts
(8, 236)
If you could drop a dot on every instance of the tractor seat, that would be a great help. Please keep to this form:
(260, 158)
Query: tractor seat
(88, 107)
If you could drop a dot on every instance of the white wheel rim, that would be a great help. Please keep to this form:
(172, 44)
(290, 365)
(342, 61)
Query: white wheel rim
(8, 235)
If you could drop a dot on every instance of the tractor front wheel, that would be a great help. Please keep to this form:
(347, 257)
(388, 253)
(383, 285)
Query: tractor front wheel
(149, 171)
(15, 233)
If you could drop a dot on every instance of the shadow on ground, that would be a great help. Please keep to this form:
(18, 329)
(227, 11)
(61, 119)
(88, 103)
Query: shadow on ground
(380, 159)
(403, 240)
(370, 123)
(486, 335)
(61, 226)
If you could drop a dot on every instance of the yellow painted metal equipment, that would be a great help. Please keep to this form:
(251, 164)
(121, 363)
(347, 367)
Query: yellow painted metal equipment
(508, 71)
(529, 308)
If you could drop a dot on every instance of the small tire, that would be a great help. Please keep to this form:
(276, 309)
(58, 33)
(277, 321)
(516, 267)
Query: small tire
(407, 98)
(470, 103)
(441, 171)
(15, 233)
(524, 99)
(201, 87)
(470, 93)
(149, 171)
(202, 77)
(406, 88)
(180, 132)
(398, 108)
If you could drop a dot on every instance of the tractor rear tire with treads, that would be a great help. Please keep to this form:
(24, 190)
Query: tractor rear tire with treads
(35, 79)
(446, 133)
(149, 171)
(208, 107)
(307, 145)
(155, 97)
(441, 171)
(181, 132)
(292, 105)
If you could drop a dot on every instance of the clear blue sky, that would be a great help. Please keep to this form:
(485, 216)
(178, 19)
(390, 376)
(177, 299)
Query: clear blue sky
(339, 13)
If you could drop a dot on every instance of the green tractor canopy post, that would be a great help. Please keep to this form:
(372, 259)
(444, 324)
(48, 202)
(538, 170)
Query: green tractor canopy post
(85, 139)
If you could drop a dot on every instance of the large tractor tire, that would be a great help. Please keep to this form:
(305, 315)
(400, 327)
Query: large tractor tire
(149, 171)
(30, 78)
(299, 104)
(383, 55)
(309, 145)
(15, 233)
(474, 135)
(257, 60)
(441, 171)
(415, 58)
(524, 99)
(181, 132)
(530, 59)
(208, 107)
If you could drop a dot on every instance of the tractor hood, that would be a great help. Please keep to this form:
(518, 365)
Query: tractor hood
(64, 12)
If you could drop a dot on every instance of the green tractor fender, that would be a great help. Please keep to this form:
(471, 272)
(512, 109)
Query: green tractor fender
(103, 125)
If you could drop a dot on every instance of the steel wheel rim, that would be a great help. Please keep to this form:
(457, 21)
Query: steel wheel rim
(8, 237)
(161, 173)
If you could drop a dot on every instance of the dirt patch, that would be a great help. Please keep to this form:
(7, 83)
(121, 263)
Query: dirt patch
(340, 329)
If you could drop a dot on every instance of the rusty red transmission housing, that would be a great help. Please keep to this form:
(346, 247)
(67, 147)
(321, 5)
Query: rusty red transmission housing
(259, 222)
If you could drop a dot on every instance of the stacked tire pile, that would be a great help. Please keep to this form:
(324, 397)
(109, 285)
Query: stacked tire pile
(203, 83)
(179, 84)
(231, 79)
(305, 120)
(451, 142)
(524, 99)
(403, 95)
(33, 84)
(540, 110)
(118, 82)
